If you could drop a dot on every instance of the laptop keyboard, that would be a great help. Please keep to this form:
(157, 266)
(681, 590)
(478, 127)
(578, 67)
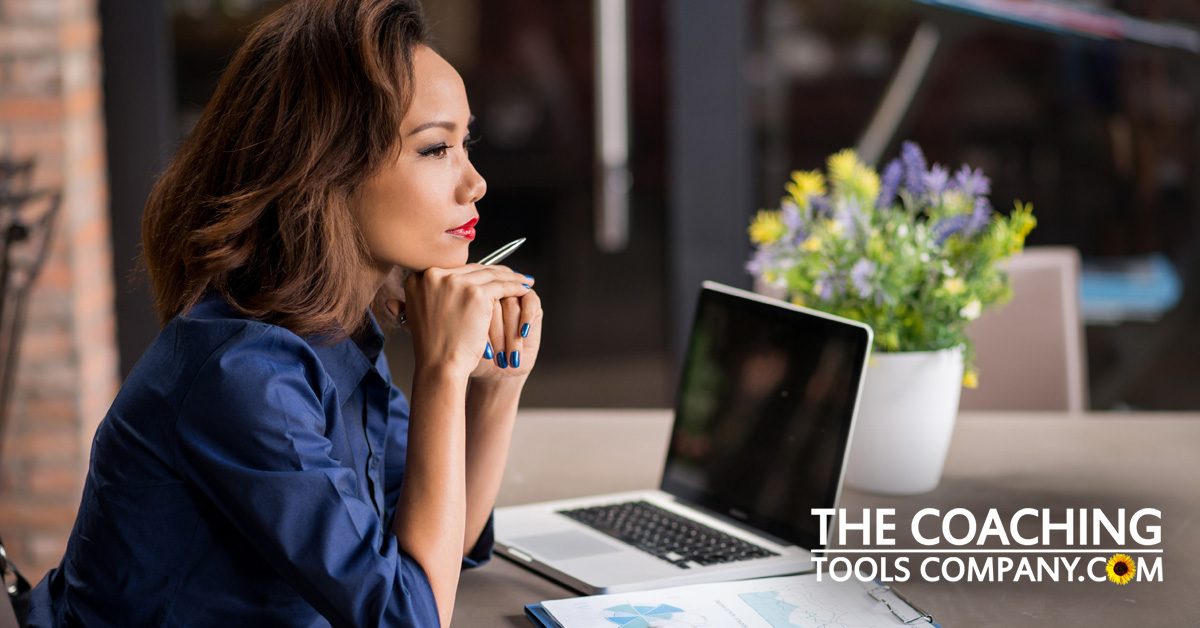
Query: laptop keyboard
(675, 539)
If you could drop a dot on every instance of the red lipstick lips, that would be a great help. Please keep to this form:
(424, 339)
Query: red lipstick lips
(466, 230)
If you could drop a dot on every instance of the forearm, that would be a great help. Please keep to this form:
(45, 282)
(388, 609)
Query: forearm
(491, 414)
(429, 522)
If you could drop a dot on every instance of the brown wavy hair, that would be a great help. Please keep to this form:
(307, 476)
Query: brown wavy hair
(256, 205)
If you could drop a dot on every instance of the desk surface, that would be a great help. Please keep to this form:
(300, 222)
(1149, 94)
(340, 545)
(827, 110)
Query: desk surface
(996, 460)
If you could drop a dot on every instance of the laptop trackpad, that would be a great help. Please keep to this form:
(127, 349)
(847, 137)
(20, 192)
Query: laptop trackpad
(564, 545)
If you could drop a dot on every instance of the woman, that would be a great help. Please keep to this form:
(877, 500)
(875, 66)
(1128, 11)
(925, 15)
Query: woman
(258, 467)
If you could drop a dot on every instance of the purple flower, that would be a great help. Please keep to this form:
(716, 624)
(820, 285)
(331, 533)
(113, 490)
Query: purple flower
(914, 168)
(820, 205)
(860, 276)
(793, 220)
(936, 179)
(890, 183)
(849, 215)
(824, 287)
(761, 260)
(980, 215)
(972, 182)
(947, 227)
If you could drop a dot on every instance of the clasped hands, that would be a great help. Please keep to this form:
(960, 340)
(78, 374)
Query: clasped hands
(479, 321)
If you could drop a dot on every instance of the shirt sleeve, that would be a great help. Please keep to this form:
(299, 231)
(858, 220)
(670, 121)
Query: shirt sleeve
(393, 469)
(251, 437)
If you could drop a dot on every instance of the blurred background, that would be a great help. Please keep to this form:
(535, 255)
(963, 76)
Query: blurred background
(630, 142)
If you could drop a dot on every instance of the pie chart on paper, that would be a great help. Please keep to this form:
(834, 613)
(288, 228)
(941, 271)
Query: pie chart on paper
(631, 616)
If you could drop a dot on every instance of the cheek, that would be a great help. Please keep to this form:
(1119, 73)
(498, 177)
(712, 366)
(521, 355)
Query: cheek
(404, 219)
(411, 236)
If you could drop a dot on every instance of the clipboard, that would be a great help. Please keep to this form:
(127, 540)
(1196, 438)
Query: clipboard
(905, 611)
(538, 616)
(877, 595)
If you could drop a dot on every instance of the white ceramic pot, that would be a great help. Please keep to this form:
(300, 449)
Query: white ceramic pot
(905, 420)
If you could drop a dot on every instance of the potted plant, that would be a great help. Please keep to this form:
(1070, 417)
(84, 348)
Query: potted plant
(915, 254)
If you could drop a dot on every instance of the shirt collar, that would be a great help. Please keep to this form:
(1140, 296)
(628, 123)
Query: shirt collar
(348, 360)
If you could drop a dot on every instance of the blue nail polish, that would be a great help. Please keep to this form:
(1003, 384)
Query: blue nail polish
(525, 285)
(487, 351)
(516, 359)
(502, 360)
(530, 276)
(525, 330)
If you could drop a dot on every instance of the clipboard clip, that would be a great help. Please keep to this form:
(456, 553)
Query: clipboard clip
(905, 611)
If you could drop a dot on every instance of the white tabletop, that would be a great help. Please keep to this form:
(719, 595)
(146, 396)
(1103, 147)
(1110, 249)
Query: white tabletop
(996, 460)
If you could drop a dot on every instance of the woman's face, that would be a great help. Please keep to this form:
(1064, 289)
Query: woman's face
(409, 210)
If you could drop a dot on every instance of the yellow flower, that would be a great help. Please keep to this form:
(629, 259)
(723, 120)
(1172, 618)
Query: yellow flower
(1022, 222)
(875, 247)
(970, 379)
(798, 300)
(846, 170)
(1120, 569)
(867, 183)
(767, 227)
(835, 228)
(954, 286)
(842, 165)
(811, 245)
(805, 183)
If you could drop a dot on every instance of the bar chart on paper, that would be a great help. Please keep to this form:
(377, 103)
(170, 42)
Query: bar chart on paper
(784, 602)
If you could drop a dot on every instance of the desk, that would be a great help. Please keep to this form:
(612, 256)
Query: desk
(1001, 460)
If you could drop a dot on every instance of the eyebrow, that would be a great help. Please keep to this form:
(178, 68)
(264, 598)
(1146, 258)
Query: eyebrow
(449, 126)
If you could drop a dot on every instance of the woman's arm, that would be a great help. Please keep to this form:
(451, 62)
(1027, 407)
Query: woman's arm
(430, 518)
(492, 399)
(491, 413)
(448, 312)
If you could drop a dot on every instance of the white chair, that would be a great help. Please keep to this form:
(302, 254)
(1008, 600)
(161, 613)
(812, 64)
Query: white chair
(1030, 351)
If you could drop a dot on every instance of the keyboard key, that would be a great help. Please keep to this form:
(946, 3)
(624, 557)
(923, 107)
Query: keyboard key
(671, 537)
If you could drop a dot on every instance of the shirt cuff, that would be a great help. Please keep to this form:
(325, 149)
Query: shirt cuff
(482, 552)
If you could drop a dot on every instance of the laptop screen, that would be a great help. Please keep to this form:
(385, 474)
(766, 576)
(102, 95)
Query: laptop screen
(763, 413)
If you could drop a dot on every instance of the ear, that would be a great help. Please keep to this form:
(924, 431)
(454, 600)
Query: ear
(393, 284)
(391, 293)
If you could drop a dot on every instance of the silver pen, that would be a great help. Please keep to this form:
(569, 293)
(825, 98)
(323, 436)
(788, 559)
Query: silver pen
(495, 257)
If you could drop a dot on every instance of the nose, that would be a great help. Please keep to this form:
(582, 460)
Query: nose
(473, 186)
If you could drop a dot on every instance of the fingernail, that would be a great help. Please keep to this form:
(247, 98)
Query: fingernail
(526, 286)
(525, 330)
(516, 359)
(487, 351)
(502, 360)
(530, 276)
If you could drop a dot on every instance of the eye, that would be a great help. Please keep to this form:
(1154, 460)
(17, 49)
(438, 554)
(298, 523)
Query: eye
(468, 142)
(437, 151)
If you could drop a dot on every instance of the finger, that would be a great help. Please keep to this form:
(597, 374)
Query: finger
(531, 308)
(512, 340)
(496, 335)
(483, 274)
(497, 290)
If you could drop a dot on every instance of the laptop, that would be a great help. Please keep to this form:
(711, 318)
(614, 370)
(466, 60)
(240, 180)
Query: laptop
(763, 417)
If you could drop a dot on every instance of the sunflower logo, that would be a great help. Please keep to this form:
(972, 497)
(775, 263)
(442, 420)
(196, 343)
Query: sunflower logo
(1120, 569)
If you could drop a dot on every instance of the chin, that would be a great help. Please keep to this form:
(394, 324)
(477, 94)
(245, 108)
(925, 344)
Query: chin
(447, 261)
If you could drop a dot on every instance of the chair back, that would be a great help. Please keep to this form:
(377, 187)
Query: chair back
(1030, 351)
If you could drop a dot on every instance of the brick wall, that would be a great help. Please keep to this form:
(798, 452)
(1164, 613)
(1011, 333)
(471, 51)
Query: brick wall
(50, 108)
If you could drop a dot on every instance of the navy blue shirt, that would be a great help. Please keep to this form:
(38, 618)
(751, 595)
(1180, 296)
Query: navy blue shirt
(245, 476)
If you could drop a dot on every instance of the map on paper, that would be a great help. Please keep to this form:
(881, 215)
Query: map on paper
(784, 602)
